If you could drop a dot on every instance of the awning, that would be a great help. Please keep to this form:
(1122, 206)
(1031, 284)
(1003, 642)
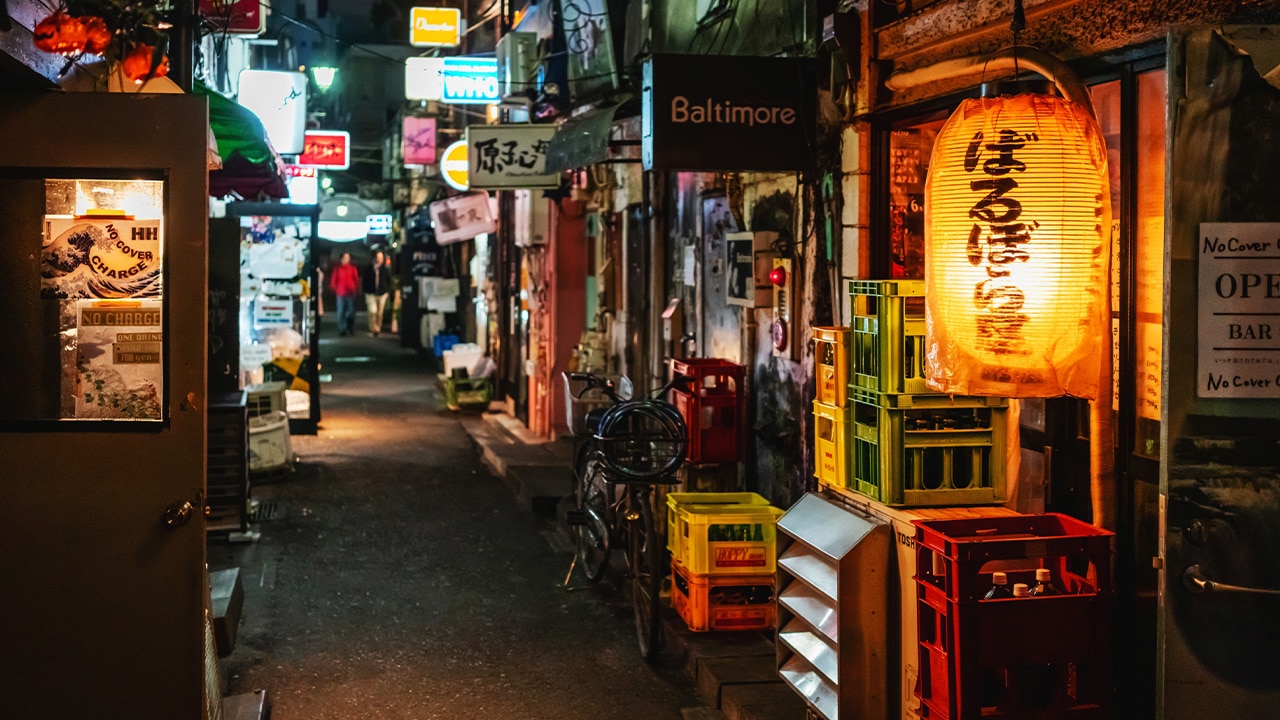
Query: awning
(250, 166)
(582, 139)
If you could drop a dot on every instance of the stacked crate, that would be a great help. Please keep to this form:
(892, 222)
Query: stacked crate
(908, 446)
(713, 406)
(1018, 657)
(724, 556)
(227, 483)
(831, 406)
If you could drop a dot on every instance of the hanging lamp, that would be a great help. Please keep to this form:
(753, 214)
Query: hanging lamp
(1017, 232)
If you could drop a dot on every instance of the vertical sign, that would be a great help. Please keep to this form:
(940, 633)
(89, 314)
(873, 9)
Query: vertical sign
(510, 156)
(435, 27)
(235, 16)
(330, 149)
(470, 81)
(1239, 310)
(279, 99)
(419, 139)
(423, 78)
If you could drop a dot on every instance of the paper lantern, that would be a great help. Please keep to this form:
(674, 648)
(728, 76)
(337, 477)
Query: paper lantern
(1017, 232)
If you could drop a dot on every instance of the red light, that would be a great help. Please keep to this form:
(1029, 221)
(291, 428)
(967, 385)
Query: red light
(778, 276)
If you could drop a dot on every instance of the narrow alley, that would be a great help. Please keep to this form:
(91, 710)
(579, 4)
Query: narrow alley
(401, 579)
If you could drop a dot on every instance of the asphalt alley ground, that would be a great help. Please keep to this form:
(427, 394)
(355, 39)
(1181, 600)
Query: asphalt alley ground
(401, 580)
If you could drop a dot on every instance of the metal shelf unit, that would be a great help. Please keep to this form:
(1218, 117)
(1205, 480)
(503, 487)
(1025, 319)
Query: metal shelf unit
(833, 581)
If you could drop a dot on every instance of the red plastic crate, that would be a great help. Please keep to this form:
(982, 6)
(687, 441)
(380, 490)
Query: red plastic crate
(713, 408)
(1037, 657)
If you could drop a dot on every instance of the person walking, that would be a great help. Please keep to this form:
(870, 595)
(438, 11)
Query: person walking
(345, 281)
(377, 284)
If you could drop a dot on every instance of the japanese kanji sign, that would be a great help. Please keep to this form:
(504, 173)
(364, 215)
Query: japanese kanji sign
(329, 149)
(510, 156)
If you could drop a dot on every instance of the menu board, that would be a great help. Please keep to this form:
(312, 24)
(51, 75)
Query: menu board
(1239, 310)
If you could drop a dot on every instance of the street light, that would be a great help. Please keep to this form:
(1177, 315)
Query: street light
(324, 76)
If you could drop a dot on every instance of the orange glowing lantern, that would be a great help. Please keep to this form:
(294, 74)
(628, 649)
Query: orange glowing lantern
(1017, 232)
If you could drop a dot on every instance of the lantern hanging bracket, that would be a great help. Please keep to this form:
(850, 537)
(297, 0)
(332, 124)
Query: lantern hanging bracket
(1034, 59)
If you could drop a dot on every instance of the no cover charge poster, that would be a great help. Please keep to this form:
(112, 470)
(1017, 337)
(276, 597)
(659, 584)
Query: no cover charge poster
(100, 258)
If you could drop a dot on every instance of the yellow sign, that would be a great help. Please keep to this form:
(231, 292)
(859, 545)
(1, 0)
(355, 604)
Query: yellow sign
(435, 27)
(455, 167)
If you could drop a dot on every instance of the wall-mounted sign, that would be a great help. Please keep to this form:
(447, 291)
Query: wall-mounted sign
(589, 38)
(330, 149)
(435, 27)
(510, 156)
(423, 78)
(378, 224)
(1239, 328)
(235, 16)
(453, 166)
(462, 217)
(279, 99)
(271, 312)
(470, 81)
(418, 139)
(706, 112)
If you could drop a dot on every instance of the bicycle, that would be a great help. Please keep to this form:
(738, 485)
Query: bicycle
(632, 447)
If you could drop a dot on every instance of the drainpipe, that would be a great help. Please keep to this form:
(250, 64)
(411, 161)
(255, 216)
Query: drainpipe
(1101, 421)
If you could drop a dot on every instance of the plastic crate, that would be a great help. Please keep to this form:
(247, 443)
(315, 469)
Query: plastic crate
(725, 538)
(886, 349)
(676, 501)
(928, 450)
(711, 376)
(578, 400)
(831, 444)
(715, 424)
(711, 602)
(831, 365)
(1020, 657)
(442, 342)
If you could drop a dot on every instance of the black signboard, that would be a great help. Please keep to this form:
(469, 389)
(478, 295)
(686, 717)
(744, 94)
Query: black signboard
(722, 112)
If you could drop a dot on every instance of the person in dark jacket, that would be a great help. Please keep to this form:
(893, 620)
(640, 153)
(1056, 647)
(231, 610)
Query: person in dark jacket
(377, 285)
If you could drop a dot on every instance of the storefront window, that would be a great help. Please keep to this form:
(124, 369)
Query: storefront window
(101, 267)
(910, 146)
(1149, 260)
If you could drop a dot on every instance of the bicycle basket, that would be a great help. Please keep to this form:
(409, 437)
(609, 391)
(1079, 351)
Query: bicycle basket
(642, 440)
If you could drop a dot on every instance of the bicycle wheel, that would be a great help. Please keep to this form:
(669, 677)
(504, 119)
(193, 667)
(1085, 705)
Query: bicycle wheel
(644, 561)
(592, 529)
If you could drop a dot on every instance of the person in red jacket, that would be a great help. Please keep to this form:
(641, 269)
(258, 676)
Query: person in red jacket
(345, 281)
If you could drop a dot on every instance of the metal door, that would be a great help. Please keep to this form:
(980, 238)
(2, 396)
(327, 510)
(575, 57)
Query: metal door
(1220, 465)
(103, 561)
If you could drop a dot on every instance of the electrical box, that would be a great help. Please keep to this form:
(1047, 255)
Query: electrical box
(517, 63)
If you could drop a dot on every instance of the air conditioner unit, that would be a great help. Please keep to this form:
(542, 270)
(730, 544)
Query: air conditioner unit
(517, 63)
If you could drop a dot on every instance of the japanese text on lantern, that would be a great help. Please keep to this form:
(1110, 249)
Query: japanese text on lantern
(998, 239)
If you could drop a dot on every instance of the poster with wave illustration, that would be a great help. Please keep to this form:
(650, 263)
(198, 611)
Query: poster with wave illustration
(118, 372)
(100, 258)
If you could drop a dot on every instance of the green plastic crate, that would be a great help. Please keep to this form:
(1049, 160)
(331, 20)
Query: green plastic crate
(887, 347)
(930, 450)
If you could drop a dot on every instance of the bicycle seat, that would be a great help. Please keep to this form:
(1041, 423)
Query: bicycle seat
(593, 419)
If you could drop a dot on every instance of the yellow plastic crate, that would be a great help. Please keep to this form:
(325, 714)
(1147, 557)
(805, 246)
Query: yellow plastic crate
(713, 602)
(675, 500)
(727, 539)
(831, 444)
(831, 359)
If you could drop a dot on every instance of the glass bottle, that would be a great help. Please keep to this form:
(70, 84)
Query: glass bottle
(999, 587)
(1044, 584)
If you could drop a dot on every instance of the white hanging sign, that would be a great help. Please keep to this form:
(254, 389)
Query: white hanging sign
(1239, 310)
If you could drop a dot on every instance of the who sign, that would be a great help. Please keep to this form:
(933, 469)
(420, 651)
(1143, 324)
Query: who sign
(470, 81)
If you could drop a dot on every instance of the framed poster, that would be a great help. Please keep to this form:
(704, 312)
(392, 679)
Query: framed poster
(109, 257)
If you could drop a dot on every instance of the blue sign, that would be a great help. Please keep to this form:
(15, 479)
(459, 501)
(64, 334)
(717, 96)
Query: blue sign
(470, 81)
